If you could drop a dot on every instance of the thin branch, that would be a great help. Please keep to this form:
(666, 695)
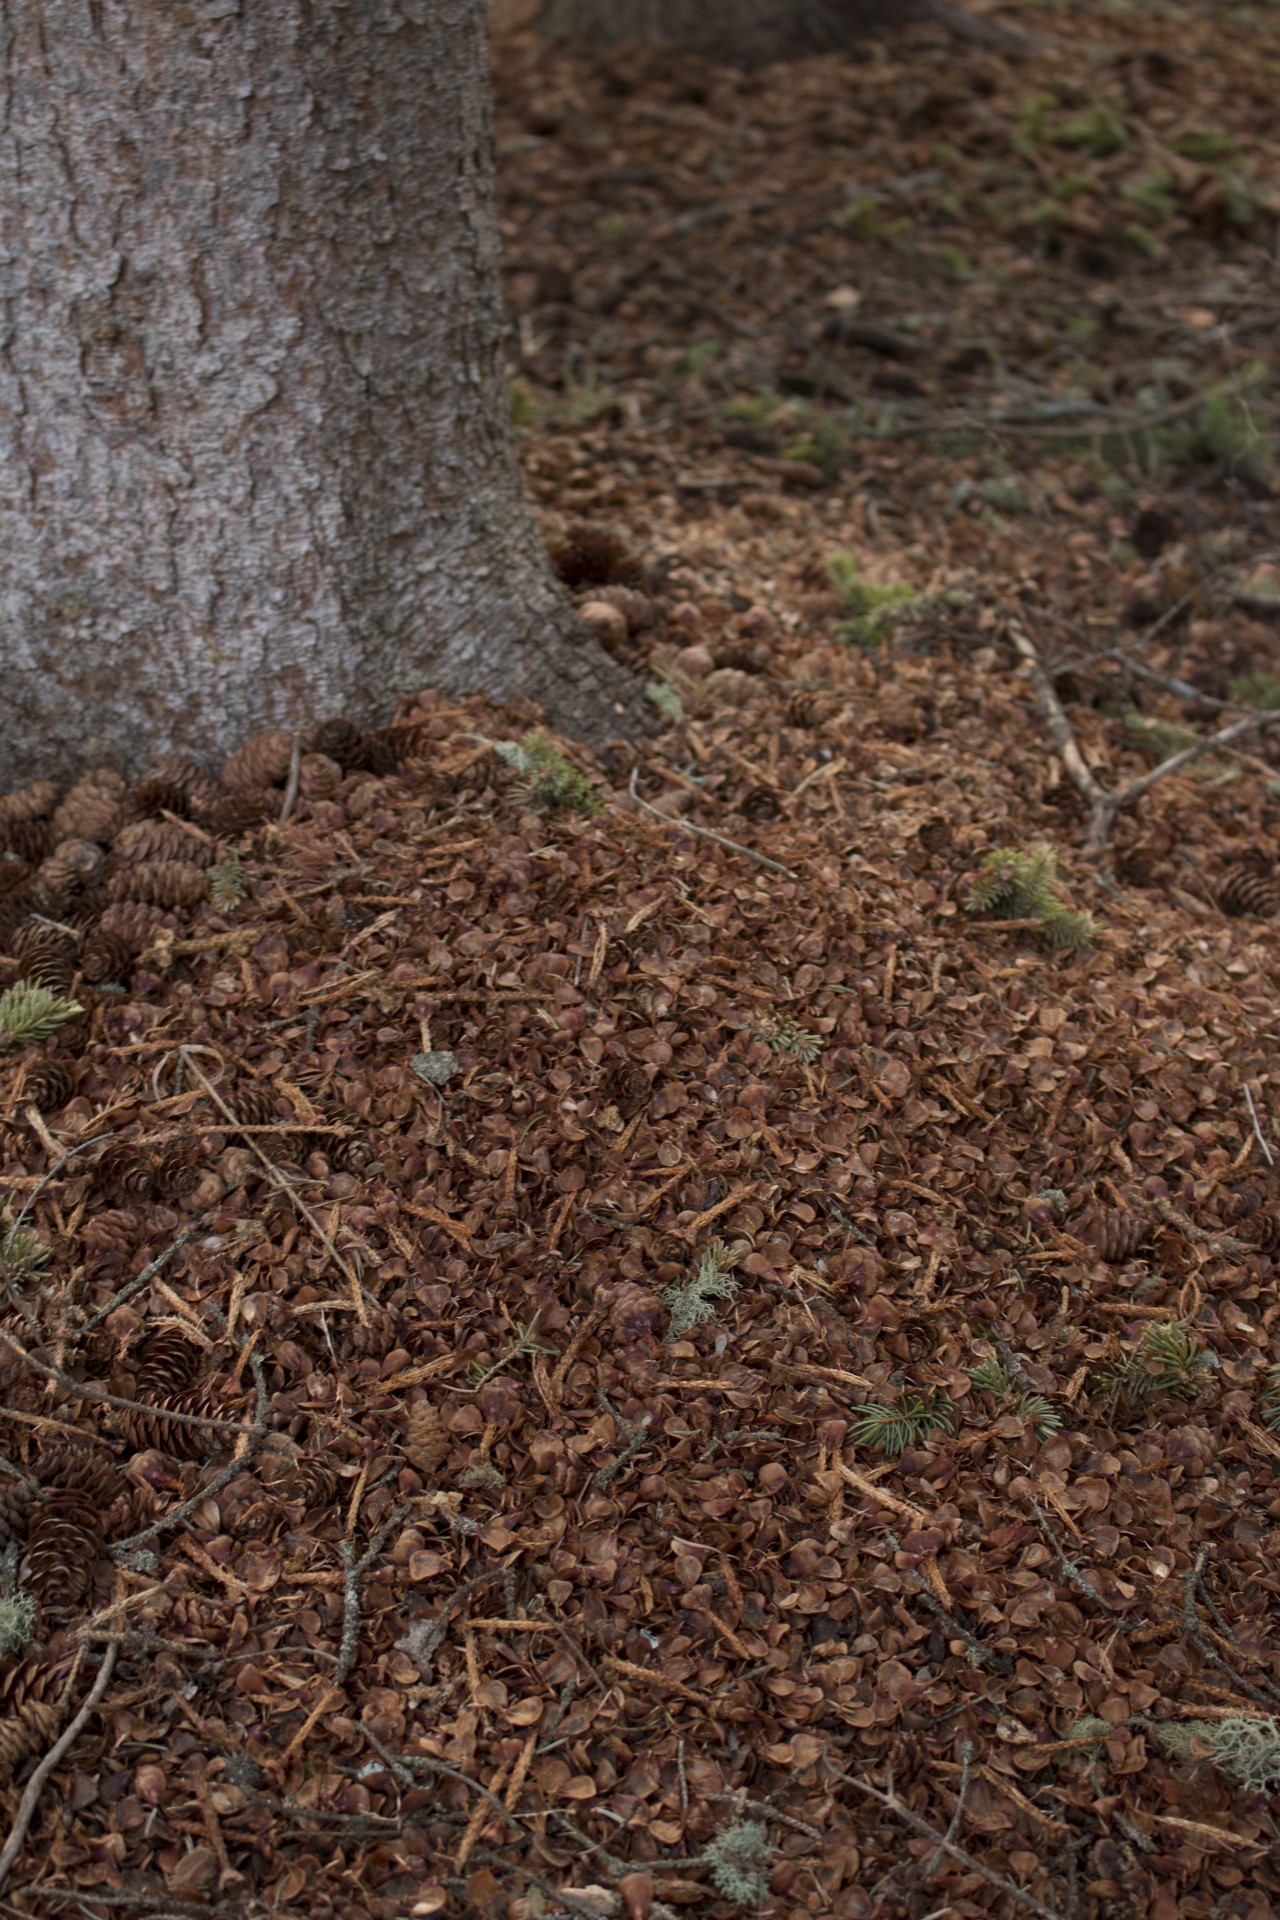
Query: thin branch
(139, 1280)
(35, 1786)
(351, 1572)
(1104, 806)
(944, 1845)
(1267, 1154)
(935, 1859)
(735, 846)
(253, 1432)
(1195, 1633)
(85, 1390)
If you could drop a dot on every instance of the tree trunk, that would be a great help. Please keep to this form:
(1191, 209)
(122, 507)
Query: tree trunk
(751, 33)
(255, 455)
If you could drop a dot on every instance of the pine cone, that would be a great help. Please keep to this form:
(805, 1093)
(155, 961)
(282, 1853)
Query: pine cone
(153, 797)
(15, 911)
(238, 813)
(106, 956)
(134, 923)
(109, 1239)
(49, 1085)
(760, 804)
(593, 556)
(31, 840)
(64, 1543)
(254, 1103)
(638, 609)
(161, 883)
(72, 866)
(121, 1170)
(391, 747)
(339, 740)
(810, 706)
(160, 840)
(427, 1441)
(90, 812)
(350, 1155)
(1115, 1234)
(165, 1376)
(315, 1484)
(17, 1497)
(263, 761)
(32, 802)
(14, 873)
(28, 1720)
(44, 955)
(627, 1089)
(1245, 890)
(318, 776)
(198, 789)
(175, 1175)
(1260, 1230)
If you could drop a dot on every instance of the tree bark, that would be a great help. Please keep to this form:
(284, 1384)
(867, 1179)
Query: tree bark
(752, 33)
(255, 453)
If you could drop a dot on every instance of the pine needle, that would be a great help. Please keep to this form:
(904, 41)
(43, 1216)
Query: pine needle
(30, 1012)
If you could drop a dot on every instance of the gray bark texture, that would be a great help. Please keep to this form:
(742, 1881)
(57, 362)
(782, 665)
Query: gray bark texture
(752, 33)
(255, 457)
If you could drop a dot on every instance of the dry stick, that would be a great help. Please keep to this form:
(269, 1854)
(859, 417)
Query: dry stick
(85, 1390)
(1191, 1591)
(27, 1805)
(1105, 806)
(979, 1652)
(1074, 1575)
(935, 1859)
(944, 1845)
(291, 785)
(1267, 1154)
(139, 1280)
(273, 1173)
(351, 1572)
(735, 846)
(253, 1432)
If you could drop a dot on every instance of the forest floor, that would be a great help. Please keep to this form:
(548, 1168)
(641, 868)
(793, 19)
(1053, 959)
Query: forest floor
(657, 1372)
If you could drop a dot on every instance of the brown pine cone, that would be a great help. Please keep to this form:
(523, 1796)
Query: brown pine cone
(389, 748)
(161, 883)
(153, 797)
(90, 812)
(32, 802)
(49, 1085)
(160, 840)
(109, 1238)
(106, 957)
(263, 761)
(427, 1441)
(1245, 890)
(44, 955)
(318, 776)
(31, 1725)
(124, 1171)
(1260, 1229)
(626, 1088)
(638, 609)
(254, 1102)
(350, 1155)
(73, 866)
(16, 909)
(17, 1497)
(238, 813)
(1115, 1234)
(810, 706)
(594, 556)
(134, 923)
(14, 873)
(31, 840)
(176, 1175)
(759, 804)
(198, 788)
(64, 1543)
(339, 740)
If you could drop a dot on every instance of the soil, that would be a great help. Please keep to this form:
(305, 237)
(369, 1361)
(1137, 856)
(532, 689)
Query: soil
(697, 1330)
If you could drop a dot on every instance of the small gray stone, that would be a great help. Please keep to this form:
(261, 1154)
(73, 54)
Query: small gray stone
(435, 1067)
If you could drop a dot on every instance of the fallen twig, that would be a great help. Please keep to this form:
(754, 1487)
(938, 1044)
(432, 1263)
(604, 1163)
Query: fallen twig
(945, 1845)
(1105, 806)
(35, 1786)
(252, 1433)
(1267, 1695)
(721, 840)
(351, 1572)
